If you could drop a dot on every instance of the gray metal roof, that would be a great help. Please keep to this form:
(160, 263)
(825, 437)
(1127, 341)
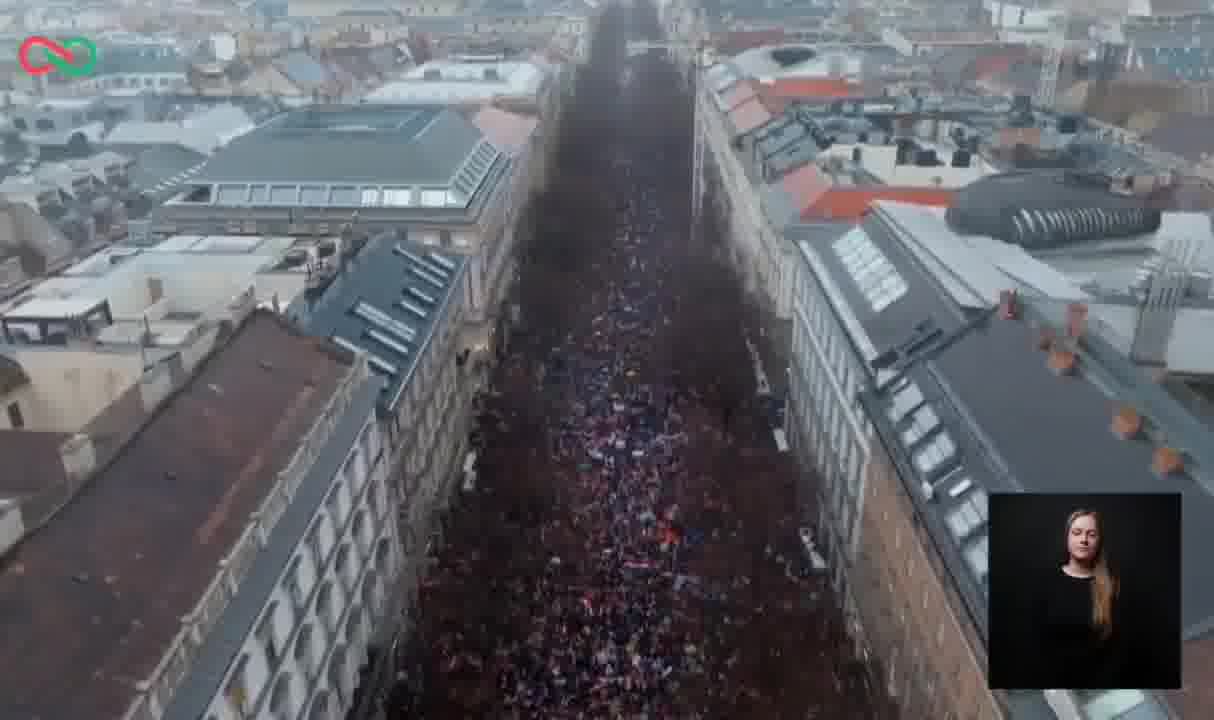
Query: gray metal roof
(388, 301)
(377, 145)
(222, 646)
(978, 411)
(981, 208)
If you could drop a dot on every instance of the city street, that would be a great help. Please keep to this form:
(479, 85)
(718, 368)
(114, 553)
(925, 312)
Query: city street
(630, 547)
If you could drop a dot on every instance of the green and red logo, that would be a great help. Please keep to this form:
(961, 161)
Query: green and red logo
(73, 57)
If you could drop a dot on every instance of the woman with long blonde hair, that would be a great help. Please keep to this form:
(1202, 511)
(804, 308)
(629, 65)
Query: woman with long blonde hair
(1079, 618)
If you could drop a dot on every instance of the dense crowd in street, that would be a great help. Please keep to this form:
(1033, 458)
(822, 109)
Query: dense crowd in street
(602, 567)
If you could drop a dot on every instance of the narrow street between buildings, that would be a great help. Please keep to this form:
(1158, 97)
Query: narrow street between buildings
(630, 547)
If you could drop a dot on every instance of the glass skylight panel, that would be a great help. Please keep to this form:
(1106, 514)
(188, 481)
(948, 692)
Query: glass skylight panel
(284, 195)
(258, 194)
(313, 195)
(406, 254)
(343, 195)
(434, 198)
(934, 453)
(977, 556)
(435, 268)
(370, 197)
(905, 400)
(960, 487)
(393, 345)
(398, 197)
(923, 421)
(233, 194)
(429, 277)
(373, 360)
(445, 262)
(414, 310)
(849, 242)
(424, 297)
(386, 322)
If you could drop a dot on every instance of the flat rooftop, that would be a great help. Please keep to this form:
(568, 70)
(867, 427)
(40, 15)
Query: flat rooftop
(89, 603)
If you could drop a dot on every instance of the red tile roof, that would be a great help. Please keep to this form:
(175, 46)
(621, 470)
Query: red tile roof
(90, 602)
(749, 115)
(737, 94)
(805, 185)
(850, 203)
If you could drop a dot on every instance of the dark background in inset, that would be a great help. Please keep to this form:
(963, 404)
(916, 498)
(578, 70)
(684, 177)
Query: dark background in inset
(1027, 540)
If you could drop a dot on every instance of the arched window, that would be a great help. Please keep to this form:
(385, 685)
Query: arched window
(303, 650)
(280, 698)
(324, 603)
(320, 707)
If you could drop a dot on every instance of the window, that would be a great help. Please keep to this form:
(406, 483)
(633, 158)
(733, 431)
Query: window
(44, 124)
(343, 562)
(324, 603)
(906, 398)
(923, 421)
(935, 453)
(303, 648)
(969, 516)
(15, 419)
(266, 635)
(281, 696)
(236, 692)
(314, 547)
(291, 583)
(20, 125)
(444, 238)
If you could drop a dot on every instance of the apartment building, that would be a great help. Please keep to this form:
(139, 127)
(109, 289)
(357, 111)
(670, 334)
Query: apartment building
(259, 566)
(424, 169)
(935, 363)
(770, 163)
(402, 305)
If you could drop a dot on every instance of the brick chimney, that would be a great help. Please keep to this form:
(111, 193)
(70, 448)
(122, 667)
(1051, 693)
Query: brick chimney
(1127, 423)
(1076, 320)
(1009, 304)
(1167, 461)
(1062, 361)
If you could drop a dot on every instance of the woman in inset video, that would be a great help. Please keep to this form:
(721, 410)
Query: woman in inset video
(1082, 643)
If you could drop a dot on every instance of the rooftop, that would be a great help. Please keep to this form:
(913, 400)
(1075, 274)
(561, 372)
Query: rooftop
(350, 156)
(388, 301)
(462, 81)
(960, 435)
(91, 601)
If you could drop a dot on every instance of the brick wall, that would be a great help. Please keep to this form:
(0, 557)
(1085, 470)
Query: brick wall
(935, 662)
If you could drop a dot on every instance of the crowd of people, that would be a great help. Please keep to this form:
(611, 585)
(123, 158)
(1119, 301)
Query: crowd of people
(601, 567)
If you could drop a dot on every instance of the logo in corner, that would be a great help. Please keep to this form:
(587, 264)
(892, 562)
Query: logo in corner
(73, 57)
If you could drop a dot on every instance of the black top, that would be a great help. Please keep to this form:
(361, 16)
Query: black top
(1071, 652)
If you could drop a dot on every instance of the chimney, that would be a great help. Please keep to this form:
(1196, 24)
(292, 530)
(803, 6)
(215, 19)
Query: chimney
(1076, 320)
(1009, 307)
(1167, 461)
(1062, 361)
(79, 457)
(1127, 423)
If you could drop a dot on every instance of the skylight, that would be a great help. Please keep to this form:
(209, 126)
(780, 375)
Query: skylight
(923, 421)
(408, 255)
(385, 322)
(446, 262)
(875, 276)
(969, 516)
(977, 556)
(393, 345)
(424, 297)
(376, 362)
(935, 453)
(414, 310)
(428, 276)
(906, 399)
